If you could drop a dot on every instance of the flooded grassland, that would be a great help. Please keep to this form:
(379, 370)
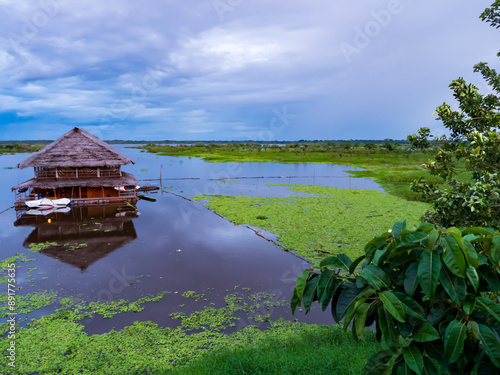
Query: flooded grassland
(136, 289)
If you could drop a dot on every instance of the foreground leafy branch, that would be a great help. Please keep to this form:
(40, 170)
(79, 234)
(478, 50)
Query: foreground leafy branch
(432, 295)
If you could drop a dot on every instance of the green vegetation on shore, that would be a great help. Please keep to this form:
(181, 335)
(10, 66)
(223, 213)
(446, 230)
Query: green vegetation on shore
(56, 343)
(330, 221)
(392, 167)
(19, 147)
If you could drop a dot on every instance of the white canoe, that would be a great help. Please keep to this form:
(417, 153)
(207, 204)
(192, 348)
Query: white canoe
(45, 202)
(48, 211)
(126, 188)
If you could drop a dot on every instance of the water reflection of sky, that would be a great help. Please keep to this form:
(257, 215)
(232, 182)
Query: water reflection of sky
(201, 177)
(160, 249)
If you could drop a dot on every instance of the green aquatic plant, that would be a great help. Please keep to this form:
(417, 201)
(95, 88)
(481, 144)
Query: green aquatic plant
(36, 247)
(327, 221)
(56, 343)
(26, 303)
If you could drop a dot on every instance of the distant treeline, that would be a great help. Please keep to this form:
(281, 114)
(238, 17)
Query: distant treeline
(118, 141)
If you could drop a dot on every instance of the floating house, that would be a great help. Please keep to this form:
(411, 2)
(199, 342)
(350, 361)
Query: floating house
(81, 167)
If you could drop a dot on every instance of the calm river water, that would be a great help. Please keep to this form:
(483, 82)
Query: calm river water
(171, 244)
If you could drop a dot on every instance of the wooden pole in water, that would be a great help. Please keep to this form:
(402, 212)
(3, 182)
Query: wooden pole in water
(161, 171)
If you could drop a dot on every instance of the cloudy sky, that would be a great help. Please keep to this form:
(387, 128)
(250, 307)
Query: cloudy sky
(235, 69)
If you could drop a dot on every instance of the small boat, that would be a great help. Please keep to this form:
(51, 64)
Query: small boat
(148, 188)
(126, 188)
(147, 197)
(45, 202)
(48, 210)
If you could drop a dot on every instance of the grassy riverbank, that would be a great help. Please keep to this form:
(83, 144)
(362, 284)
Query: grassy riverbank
(328, 221)
(19, 148)
(200, 344)
(394, 169)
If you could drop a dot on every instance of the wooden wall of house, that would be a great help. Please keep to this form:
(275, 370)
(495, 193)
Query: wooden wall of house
(74, 193)
(99, 192)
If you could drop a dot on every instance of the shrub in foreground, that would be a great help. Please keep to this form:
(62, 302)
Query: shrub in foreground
(431, 294)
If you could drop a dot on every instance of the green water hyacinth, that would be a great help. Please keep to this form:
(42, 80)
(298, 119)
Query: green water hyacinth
(431, 294)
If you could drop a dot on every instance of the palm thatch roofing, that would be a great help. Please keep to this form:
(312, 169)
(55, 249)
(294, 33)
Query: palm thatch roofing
(76, 148)
(126, 179)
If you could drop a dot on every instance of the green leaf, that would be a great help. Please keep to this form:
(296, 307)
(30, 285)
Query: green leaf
(411, 306)
(309, 293)
(473, 331)
(351, 312)
(429, 268)
(413, 358)
(376, 277)
(429, 367)
(432, 238)
(455, 335)
(387, 327)
(495, 250)
(454, 286)
(374, 245)
(333, 263)
(479, 230)
(490, 343)
(453, 257)
(354, 265)
(491, 307)
(345, 259)
(469, 304)
(348, 295)
(377, 255)
(435, 350)
(425, 227)
(486, 367)
(402, 368)
(393, 305)
(438, 312)
(329, 292)
(377, 364)
(411, 279)
(301, 284)
(453, 231)
(425, 333)
(326, 278)
(491, 278)
(413, 237)
(398, 228)
(472, 256)
(360, 319)
(473, 277)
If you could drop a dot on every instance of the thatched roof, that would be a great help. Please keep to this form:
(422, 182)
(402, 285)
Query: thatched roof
(126, 179)
(76, 148)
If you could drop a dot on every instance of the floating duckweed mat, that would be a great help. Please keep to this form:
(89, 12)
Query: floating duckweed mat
(56, 343)
(329, 221)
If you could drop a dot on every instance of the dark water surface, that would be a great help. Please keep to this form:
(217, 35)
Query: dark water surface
(170, 245)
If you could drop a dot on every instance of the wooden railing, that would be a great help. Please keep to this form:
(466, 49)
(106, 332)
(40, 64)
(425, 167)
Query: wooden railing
(77, 172)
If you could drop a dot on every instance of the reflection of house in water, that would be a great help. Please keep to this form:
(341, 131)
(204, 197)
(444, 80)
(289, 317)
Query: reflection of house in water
(83, 235)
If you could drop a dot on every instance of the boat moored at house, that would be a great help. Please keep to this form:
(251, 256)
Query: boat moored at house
(80, 167)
